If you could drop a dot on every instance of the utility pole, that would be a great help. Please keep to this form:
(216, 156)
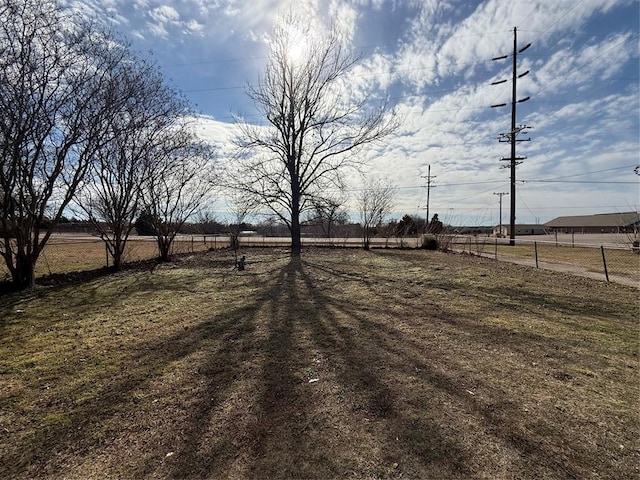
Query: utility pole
(512, 134)
(429, 178)
(501, 194)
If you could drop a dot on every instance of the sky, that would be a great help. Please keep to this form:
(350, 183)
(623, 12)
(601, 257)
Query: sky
(432, 59)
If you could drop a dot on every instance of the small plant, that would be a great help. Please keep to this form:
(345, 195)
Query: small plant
(429, 242)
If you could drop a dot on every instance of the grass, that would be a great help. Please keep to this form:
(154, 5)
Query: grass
(386, 364)
(65, 254)
(622, 262)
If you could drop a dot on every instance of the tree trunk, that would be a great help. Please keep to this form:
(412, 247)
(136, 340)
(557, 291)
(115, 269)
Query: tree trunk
(296, 242)
(118, 252)
(115, 250)
(24, 275)
(366, 239)
(164, 245)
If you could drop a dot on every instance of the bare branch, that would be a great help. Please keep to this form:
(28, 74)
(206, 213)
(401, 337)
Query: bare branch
(375, 202)
(313, 129)
(55, 72)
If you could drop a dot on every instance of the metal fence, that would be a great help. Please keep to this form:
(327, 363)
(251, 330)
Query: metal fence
(66, 254)
(611, 262)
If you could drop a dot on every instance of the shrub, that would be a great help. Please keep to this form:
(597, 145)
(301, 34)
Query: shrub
(145, 224)
(429, 242)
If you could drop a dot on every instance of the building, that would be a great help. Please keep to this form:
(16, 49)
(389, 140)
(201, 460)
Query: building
(601, 223)
(521, 229)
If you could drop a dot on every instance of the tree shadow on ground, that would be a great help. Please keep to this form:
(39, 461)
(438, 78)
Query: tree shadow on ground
(85, 430)
(300, 435)
(303, 380)
(374, 353)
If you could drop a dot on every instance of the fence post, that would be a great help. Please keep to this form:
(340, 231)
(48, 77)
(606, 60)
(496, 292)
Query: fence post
(496, 250)
(535, 246)
(604, 261)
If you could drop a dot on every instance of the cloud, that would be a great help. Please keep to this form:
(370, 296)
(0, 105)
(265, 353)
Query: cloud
(432, 60)
(164, 14)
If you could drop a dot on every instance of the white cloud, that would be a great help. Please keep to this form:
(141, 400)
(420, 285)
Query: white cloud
(436, 67)
(164, 14)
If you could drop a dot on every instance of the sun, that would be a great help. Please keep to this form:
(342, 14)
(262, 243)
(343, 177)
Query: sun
(297, 52)
(297, 44)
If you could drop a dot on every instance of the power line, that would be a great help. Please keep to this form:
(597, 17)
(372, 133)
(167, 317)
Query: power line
(581, 181)
(587, 173)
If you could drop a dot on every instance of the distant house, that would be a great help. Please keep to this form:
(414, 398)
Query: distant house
(600, 223)
(521, 229)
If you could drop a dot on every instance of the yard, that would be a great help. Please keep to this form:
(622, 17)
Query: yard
(346, 364)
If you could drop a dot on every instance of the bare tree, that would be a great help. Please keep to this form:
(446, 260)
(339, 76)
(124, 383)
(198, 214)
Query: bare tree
(240, 206)
(375, 202)
(207, 223)
(327, 212)
(178, 184)
(313, 126)
(111, 198)
(53, 72)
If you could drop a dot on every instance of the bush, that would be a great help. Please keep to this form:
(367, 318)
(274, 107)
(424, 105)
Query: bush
(145, 225)
(429, 242)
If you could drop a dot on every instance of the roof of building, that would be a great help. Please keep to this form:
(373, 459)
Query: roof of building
(623, 219)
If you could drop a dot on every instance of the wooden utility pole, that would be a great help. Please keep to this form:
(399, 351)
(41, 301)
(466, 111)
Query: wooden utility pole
(501, 194)
(429, 178)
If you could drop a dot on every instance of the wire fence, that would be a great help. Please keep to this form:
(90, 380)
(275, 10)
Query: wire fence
(619, 263)
(68, 254)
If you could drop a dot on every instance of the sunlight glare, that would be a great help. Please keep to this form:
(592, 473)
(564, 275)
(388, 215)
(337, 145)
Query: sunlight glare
(297, 49)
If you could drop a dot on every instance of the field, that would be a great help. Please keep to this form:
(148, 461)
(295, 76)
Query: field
(345, 364)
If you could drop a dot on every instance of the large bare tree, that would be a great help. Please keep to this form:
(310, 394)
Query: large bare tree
(149, 119)
(314, 127)
(53, 72)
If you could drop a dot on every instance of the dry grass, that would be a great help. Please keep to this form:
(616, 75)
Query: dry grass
(66, 254)
(620, 261)
(387, 364)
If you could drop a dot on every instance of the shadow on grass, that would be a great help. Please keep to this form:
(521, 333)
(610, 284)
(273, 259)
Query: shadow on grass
(375, 353)
(358, 356)
(76, 433)
(387, 403)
